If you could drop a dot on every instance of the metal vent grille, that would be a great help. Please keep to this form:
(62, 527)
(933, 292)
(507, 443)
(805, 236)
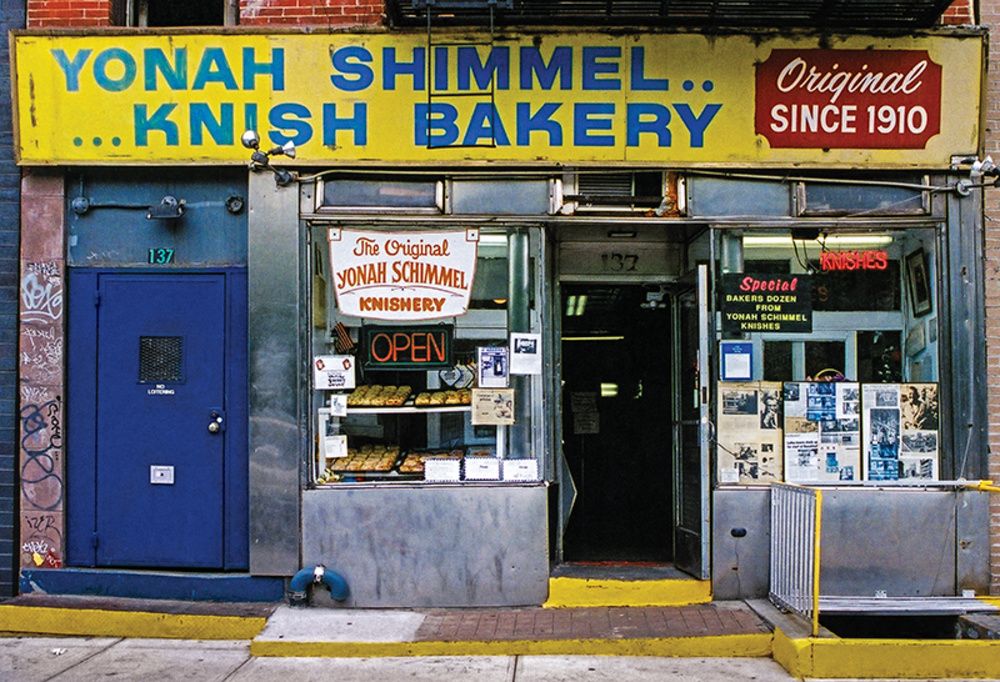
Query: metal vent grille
(160, 359)
(635, 190)
(605, 184)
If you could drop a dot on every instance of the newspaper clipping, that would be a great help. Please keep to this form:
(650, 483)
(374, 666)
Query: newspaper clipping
(901, 431)
(822, 431)
(749, 433)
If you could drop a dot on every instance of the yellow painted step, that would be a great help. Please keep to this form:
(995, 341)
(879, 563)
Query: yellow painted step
(45, 620)
(565, 592)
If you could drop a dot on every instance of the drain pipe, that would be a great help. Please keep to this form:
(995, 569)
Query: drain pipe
(299, 586)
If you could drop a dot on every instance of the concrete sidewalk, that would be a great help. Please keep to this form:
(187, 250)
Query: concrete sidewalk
(729, 630)
(84, 659)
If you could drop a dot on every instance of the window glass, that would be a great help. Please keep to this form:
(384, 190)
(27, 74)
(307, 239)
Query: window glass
(357, 192)
(411, 423)
(778, 361)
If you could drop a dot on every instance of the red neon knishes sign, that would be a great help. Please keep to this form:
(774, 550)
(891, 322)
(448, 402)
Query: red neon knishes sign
(832, 261)
(842, 99)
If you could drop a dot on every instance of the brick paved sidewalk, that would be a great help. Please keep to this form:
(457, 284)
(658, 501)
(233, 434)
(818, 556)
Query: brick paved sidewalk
(721, 618)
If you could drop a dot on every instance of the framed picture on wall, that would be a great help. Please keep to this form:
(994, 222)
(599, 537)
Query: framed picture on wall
(918, 283)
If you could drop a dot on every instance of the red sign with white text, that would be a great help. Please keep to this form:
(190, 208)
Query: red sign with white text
(844, 99)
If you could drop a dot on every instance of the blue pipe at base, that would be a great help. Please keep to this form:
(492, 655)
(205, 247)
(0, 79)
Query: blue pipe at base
(319, 574)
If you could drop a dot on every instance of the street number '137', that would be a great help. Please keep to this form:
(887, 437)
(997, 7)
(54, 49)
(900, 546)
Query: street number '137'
(619, 262)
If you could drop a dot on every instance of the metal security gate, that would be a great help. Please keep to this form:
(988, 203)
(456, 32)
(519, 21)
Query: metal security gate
(796, 524)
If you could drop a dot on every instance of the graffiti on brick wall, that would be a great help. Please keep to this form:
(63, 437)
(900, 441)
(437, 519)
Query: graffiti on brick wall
(41, 453)
(41, 323)
(41, 540)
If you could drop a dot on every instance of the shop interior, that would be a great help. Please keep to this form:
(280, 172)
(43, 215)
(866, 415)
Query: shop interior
(617, 420)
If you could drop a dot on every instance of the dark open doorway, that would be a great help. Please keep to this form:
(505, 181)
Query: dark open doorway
(617, 424)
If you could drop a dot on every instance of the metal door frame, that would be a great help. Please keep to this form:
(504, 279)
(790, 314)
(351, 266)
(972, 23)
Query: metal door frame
(701, 290)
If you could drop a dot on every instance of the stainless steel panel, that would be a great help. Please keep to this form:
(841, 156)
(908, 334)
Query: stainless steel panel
(276, 439)
(723, 197)
(961, 306)
(416, 546)
(899, 541)
(973, 556)
(501, 197)
(740, 564)
(620, 259)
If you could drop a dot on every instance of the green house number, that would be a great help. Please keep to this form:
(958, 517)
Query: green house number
(161, 256)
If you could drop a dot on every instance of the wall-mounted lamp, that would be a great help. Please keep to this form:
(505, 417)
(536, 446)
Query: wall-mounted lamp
(169, 208)
(262, 160)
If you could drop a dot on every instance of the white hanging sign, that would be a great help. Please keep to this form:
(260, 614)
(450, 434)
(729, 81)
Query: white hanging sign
(402, 275)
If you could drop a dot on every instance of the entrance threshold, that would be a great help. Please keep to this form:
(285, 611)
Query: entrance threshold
(581, 584)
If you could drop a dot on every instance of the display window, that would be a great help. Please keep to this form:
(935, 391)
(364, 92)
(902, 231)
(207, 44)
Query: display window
(419, 372)
(838, 382)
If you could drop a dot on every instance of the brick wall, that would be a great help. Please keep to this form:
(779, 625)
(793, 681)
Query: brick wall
(83, 13)
(11, 16)
(55, 13)
(960, 12)
(311, 12)
(990, 17)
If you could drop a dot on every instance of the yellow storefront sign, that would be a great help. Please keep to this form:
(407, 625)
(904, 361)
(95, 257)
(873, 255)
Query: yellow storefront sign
(563, 98)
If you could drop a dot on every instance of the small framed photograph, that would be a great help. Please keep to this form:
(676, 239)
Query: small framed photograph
(918, 283)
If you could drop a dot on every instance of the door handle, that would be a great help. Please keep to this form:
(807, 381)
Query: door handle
(217, 422)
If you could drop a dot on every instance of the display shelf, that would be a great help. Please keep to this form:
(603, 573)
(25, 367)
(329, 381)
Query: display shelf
(407, 409)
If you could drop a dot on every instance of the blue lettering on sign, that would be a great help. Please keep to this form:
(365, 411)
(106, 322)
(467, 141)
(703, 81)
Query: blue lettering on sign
(392, 68)
(638, 80)
(101, 69)
(158, 121)
(583, 124)
(155, 60)
(696, 124)
(275, 68)
(220, 130)
(358, 123)
(214, 68)
(637, 121)
(539, 122)
(561, 64)
(593, 67)
(435, 117)
(497, 66)
(440, 64)
(71, 68)
(282, 117)
(485, 124)
(353, 62)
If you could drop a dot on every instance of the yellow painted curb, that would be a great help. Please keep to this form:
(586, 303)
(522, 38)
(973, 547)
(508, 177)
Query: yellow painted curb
(45, 620)
(881, 658)
(577, 592)
(992, 601)
(727, 646)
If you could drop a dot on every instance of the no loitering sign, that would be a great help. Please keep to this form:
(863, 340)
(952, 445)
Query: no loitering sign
(403, 275)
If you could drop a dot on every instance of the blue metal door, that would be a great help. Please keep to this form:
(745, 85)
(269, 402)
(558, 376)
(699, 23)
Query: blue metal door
(161, 426)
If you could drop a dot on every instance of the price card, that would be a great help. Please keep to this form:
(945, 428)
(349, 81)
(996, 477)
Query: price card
(442, 470)
(333, 372)
(335, 446)
(482, 469)
(338, 404)
(492, 406)
(520, 470)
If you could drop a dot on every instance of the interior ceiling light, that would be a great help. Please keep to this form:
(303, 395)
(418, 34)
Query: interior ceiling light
(839, 240)
(593, 338)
